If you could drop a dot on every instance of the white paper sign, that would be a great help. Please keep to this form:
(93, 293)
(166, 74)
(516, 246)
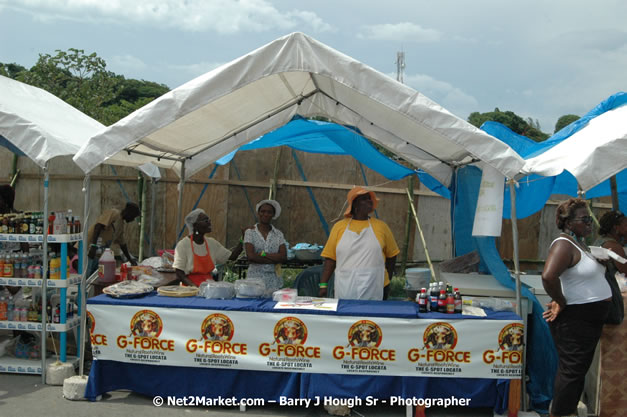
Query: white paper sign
(489, 213)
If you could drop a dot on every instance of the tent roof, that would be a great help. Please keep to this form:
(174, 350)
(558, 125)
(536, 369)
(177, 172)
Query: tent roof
(593, 153)
(216, 113)
(41, 125)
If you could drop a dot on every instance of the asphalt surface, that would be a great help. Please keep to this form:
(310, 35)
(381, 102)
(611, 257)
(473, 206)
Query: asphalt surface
(25, 396)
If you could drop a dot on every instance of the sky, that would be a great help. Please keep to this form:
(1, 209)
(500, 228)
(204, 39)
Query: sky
(541, 59)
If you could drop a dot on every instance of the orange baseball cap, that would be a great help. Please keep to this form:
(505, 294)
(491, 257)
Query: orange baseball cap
(354, 193)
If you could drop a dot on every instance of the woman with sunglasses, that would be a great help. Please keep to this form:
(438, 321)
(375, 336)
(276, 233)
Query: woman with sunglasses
(576, 282)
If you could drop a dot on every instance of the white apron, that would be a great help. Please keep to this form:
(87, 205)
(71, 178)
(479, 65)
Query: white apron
(360, 268)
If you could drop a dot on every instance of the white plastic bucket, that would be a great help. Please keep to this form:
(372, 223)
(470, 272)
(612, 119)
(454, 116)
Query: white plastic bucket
(418, 278)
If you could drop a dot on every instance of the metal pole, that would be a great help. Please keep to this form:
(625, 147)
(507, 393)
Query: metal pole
(614, 191)
(44, 281)
(83, 286)
(179, 206)
(142, 224)
(512, 195)
(153, 184)
(422, 236)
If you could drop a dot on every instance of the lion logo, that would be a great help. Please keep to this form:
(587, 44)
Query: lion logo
(440, 335)
(290, 331)
(511, 337)
(146, 323)
(91, 322)
(217, 327)
(365, 333)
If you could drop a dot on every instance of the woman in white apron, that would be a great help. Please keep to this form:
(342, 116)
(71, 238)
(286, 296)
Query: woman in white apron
(360, 250)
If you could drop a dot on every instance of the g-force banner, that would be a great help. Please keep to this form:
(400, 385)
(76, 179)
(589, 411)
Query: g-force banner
(307, 342)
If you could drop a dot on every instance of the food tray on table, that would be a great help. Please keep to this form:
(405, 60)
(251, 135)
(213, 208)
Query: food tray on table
(128, 289)
(177, 291)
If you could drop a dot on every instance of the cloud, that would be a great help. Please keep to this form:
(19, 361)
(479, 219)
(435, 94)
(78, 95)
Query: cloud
(405, 31)
(127, 62)
(197, 69)
(445, 94)
(221, 16)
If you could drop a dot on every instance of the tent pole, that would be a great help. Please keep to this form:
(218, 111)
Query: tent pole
(512, 196)
(153, 184)
(83, 286)
(142, 224)
(44, 281)
(614, 190)
(179, 206)
(422, 236)
(273, 187)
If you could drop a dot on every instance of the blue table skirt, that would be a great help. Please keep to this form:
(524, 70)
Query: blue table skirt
(166, 381)
(151, 380)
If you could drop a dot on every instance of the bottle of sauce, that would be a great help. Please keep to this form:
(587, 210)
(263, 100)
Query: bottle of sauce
(106, 266)
(422, 301)
(458, 301)
(450, 303)
(442, 302)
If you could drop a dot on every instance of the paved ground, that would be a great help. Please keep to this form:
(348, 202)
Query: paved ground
(25, 396)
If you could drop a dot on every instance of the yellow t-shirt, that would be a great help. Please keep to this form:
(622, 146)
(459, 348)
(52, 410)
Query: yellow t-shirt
(381, 231)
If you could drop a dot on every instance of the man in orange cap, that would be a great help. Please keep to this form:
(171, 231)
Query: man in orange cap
(360, 250)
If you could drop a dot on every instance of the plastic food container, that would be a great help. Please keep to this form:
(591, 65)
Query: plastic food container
(249, 288)
(219, 290)
(285, 295)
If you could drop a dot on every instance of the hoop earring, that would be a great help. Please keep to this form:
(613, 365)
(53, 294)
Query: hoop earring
(196, 232)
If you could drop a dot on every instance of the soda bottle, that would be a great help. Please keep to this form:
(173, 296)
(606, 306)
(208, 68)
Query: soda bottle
(442, 302)
(422, 301)
(450, 303)
(434, 296)
(458, 301)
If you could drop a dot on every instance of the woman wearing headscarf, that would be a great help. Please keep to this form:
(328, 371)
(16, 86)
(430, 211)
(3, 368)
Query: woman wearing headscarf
(576, 282)
(265, 246)
(360, 250)
(197, 255)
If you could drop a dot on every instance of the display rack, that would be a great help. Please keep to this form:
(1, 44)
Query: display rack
(35, 366)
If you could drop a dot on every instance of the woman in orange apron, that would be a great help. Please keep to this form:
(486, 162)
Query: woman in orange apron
(196, 256)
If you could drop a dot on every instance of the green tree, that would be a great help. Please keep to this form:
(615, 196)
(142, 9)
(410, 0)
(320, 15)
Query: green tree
(11, 70)
(564, 121)
(517, 124)
(79, 79)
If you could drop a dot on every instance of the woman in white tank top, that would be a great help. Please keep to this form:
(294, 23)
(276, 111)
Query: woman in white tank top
(575, 281)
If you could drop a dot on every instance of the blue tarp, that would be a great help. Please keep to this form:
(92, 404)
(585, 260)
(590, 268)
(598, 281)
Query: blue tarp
(533, 191)
(326, 138)
(541, 353)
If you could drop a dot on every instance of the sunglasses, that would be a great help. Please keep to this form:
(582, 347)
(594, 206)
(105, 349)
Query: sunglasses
(584, 219)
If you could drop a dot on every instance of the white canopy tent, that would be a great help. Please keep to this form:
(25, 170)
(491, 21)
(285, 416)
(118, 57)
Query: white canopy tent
(42, 126)
(592, 154)
(206, 118)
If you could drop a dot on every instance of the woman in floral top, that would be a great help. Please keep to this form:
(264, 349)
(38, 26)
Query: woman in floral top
(265, 246)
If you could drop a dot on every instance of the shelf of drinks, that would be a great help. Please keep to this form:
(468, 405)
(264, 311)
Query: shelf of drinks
(12, 365)
(21, 238)
(34, 282)
(35, 326)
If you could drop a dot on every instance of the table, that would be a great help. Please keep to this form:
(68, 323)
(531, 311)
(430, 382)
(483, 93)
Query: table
(163, 379)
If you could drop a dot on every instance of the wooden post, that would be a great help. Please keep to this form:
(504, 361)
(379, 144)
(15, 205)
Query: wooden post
(405, 253)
